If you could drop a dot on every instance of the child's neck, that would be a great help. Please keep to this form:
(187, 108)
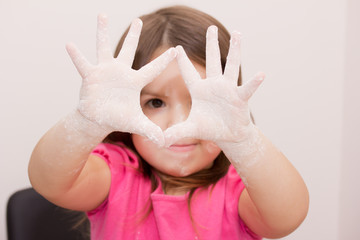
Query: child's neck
(174, 191)
(171, 189)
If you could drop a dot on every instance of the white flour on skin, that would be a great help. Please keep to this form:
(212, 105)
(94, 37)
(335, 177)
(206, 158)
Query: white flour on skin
(244, 154)
(80, 136)
(110, 89)
(211, 147)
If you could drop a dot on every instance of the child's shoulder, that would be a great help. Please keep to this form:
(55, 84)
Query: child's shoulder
(233, 183)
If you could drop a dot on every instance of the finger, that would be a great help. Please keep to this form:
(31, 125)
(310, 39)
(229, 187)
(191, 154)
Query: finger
(187, 69)
(127, 52)
(102, 39)
(80, 62)
(147, 128)
(179, 131)
(232, 66)
(155, 67)
(213, 59)
(247, 90)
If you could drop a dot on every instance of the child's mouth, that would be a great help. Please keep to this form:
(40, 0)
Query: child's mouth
(182, 147)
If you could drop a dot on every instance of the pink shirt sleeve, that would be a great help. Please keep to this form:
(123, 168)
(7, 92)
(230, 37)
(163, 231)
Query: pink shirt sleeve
(235, 187)
(120, 159)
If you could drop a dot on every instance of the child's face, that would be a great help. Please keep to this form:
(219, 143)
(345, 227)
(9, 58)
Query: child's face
(166, 101)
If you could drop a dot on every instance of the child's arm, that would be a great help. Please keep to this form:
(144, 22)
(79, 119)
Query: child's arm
(61, 167)
(275, 200)
(61, 170)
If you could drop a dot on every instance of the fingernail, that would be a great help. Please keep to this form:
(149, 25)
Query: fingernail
(138, 21)
(179, 50)
(237, 34)
(236, 37)
(102, 16)
(260, 76)
(213, 30)
(173, 52)
(137, 24)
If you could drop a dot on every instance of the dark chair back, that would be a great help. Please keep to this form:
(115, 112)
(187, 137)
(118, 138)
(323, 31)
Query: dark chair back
(32, 217)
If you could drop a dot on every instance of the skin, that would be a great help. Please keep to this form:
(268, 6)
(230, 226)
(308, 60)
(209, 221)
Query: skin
(61, 167)
(182, 126)
(276, 198)
(166, 101)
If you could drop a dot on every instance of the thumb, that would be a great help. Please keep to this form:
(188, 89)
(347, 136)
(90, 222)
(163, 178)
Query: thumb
(179, 131)
(79, 60)
(248, 89)
(153, 132)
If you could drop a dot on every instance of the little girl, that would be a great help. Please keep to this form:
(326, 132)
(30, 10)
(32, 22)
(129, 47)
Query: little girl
(162, 145)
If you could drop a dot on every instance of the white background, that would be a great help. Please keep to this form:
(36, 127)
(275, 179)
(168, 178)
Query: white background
(308, 104)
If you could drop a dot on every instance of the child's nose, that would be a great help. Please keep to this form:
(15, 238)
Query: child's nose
(178, 113)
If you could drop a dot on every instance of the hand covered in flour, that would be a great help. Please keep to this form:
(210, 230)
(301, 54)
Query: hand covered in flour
(219, 110)
(110, 91)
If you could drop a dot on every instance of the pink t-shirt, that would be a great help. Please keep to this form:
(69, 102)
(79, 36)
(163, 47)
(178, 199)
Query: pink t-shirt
(121, 216)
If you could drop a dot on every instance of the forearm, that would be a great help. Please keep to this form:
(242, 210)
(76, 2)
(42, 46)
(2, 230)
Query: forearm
(62, 152)
(274, 186)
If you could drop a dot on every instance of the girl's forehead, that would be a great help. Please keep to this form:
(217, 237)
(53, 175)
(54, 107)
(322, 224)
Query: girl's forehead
(159, 51)
(170, 79)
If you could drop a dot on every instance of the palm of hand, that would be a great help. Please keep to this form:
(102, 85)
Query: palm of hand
(219, 111)
(105, 88)
(216, 109)
(110, 92)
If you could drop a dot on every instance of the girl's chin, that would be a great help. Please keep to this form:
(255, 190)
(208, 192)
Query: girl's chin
(177, 173)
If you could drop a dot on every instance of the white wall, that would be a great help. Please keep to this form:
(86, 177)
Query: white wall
(349, 216)
(300, 45)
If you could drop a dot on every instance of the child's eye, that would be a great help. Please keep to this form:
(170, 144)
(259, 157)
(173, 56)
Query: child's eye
(155, 103)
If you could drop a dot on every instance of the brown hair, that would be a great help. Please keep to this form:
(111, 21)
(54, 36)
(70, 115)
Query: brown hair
(169, 27)
(178, 25)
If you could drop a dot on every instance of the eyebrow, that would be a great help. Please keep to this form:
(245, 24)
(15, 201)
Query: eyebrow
(147, 92)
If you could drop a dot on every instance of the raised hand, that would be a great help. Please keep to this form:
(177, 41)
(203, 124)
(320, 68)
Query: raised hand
(110, 91)
(219, 110)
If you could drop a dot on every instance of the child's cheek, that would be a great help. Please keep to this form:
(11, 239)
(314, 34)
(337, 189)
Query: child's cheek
(158, 117)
